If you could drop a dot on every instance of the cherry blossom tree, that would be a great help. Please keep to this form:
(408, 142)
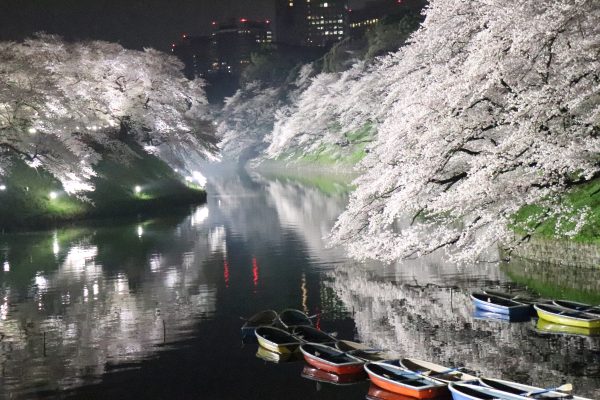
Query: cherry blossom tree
(493, 106)
(63, 105)
(247, 119)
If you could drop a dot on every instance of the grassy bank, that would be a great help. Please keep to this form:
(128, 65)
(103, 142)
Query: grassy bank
(582, 197)
(349, 151)
(142, 185)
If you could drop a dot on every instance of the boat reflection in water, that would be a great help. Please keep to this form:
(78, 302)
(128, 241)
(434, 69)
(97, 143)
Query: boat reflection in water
(318, 375)
(478, 313)
(277, 358)
(422, 309)
(543, 326)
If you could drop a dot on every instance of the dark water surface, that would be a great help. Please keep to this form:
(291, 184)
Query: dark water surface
(151, 309)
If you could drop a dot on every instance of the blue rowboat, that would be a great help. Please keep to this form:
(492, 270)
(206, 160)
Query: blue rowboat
(500, 305)
(263, 318)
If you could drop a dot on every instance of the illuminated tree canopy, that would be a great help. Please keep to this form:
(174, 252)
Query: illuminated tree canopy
(63, 105)
(492, 105)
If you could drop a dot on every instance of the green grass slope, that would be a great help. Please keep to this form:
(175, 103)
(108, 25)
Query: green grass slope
(33, 198)
(586, 196)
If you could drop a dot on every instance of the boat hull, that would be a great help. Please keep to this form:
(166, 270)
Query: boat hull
(567, 320)
(377, 393)
(288, 348)
(516, 311)
(276, 340)
(551, 327)
(405, 391)
(346, 369)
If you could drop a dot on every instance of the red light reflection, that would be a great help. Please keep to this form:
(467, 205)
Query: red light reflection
(254, 271)
(226, 273)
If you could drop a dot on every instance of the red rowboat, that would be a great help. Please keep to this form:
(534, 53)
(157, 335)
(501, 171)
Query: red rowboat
(329, 359)
(404, 382)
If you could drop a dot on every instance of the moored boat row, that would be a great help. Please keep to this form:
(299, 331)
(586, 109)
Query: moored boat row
(495, 305)
(344, 362)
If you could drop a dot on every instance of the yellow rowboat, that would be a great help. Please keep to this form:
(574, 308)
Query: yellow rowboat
(544, 326)
(276, 340)
(564, 316)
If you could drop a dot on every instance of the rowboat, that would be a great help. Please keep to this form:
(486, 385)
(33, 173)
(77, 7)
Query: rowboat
(510, 296)
(564, 316)
(263, 318)
(465, 391)
(575, 306)
(496, 304)
(521, 390)
(276, 340)
(311, 335)
(271, 356)
(377, 393)
(401, 381)
(360, 350)
(436, 371)
(318, 375)
(478, 313)
(330, 359)
(544, 326)
(291, 317)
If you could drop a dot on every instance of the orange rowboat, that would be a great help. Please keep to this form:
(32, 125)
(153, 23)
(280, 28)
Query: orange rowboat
(377, 393)
(401, 381)
(331, 360)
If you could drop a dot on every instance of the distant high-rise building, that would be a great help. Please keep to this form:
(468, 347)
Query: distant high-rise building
(232, 43)
(375, 10)
(313, 23)
(226, 51)
(194, 52)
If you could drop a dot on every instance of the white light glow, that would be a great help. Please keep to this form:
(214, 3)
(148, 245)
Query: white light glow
(53, 195)
(138, 189)
(6, 266)
(140, 231)
(32, 130)
(198, 177)
(2, 188)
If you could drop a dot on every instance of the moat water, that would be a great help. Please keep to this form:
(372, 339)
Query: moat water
(150, 308)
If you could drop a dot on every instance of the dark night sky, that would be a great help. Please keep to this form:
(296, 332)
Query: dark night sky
(133, 23)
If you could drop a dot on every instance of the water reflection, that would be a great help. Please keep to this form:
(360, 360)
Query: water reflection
(76, 300)
(83, 306)
(423, 310)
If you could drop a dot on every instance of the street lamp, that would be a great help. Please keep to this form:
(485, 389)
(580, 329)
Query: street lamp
(138, 189)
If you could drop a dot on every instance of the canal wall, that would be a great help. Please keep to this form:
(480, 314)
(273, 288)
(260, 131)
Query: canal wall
(560, 252)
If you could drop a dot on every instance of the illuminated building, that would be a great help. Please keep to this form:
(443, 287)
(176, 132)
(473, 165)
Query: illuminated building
(226, 51)
(312, 23)
(232, 43)
(375, 11)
